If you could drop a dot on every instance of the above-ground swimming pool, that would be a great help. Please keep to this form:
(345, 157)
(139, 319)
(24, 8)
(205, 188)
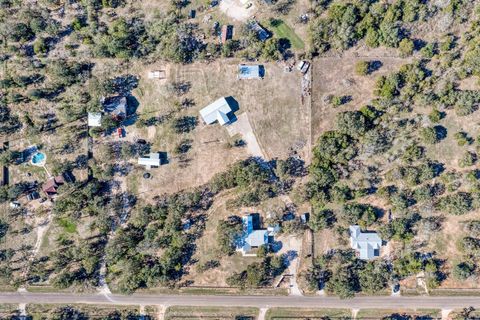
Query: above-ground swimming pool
(38, 158)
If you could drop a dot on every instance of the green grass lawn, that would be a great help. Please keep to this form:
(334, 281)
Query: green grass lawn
(68, 225)
(301, 314)
(283, 30)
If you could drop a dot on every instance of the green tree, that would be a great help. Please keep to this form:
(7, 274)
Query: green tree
(40, 46)
(362, 68)
(406, 47)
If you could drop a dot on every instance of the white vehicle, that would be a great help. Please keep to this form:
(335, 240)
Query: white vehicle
(14, 204)
(303, 66)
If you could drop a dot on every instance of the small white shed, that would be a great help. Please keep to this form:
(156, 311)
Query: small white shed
(153, 160)
(94, 119)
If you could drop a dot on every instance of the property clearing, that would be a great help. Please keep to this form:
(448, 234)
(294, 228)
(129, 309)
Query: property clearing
(239, 10)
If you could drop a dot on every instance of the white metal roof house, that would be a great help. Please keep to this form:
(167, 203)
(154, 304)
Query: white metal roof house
(217, 111)
(251, 238)
(153, 160)
(367, 244)
(250, 72)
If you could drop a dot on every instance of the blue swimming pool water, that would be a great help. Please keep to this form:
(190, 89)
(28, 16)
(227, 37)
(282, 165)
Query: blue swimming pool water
(38, 157)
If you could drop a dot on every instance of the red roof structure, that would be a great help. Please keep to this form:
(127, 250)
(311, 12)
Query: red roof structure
(51, 185)
(226, 33)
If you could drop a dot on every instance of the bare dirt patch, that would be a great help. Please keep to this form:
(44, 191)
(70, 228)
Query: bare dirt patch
(237, 9)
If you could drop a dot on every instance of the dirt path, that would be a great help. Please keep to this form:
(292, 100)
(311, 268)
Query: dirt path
(42, 227)
(262, 313)
(162, 309)
(446, 313)
(291, 247)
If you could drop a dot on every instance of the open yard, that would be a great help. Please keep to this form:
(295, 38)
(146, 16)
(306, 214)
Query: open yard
(207, 247)
(279, 123)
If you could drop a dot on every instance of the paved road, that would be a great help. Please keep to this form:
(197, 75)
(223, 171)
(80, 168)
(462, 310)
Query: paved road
(249, 301)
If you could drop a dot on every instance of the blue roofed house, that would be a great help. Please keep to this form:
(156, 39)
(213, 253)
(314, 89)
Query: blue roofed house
(250, 72)
(367, 244)
(251, 238)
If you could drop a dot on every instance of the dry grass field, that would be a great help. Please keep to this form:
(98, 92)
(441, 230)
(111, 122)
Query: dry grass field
(279, 121)
(336, 76)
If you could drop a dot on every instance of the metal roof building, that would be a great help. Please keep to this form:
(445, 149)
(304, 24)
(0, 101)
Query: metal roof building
(250, 72)
(94, 119)
(251, 238)
(262, 33)
(367, 244)
(217, 111)
(153, 160)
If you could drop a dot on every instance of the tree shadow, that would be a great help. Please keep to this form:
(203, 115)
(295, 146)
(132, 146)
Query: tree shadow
(441, 132)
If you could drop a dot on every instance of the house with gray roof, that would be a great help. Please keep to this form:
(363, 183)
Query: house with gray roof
(217, 111)
(367, 244)
(116, 106)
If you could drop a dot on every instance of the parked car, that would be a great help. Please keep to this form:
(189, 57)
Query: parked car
(14, 204)
(141, 141)
(33, 196)
(303, 66)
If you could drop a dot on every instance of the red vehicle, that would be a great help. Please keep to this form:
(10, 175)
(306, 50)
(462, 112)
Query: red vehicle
(120, 132)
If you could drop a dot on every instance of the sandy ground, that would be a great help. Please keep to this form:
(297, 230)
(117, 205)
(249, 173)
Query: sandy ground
(243, 127)
(262, 313)
(236, 9)
(292, 247)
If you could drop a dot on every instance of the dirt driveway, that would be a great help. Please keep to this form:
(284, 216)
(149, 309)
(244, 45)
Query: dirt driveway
(292, 247)
(237, 9)
(243, 127)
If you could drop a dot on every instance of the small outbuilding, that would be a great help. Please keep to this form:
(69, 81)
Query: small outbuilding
(157, 74)
(94, 119)
(227, 33)
(250, 71)
(367, 244)
(153, 160)
(217, 111)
